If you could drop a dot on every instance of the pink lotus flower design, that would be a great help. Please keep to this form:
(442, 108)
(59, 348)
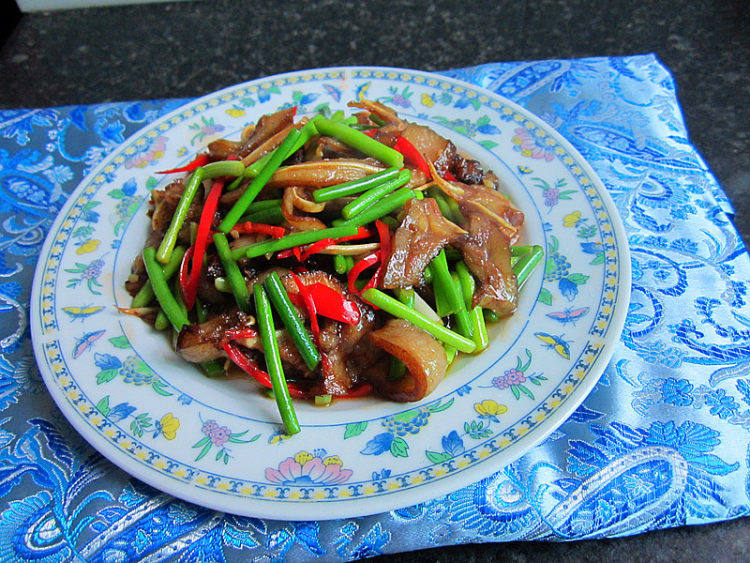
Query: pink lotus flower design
(530, 145)
(306, 469)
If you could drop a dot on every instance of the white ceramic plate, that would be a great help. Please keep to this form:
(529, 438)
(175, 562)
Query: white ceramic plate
(218, 443)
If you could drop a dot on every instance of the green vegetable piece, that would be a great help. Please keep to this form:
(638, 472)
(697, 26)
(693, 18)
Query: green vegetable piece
(252, 191)
(339, 264)
(145, 295)
(355, 186)
(520, 250)
(269, 216)
(234, 276)
(361, 142)
(375, 194)
(467, 286)
(323, 400)
(161, 322)
(292, 321)
(273, 361)
(223, 168)
(527, 263)
(163, 295)
(292, 240)
(387, 205)
(490, 316)
(448, 298)
(178, 219)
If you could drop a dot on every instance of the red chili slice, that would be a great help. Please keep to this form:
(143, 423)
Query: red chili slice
(366, 262)
(307, 299)
(261, 228)
(252, 369)
(412, 155)
(197, 162)
(202, 237)
(332, 304)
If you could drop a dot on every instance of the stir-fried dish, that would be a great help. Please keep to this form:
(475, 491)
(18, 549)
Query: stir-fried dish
(331, 257)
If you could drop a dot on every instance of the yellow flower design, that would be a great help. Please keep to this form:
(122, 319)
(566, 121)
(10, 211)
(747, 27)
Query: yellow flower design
(169, 425)
(333, 460)
(235, 112)
(490, 408)
(571, 219)
(303, 457)
(427, 100)
(88, 246)
(278, 437)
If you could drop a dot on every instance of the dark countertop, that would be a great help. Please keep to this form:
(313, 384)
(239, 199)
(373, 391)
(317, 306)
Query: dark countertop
(189, 49)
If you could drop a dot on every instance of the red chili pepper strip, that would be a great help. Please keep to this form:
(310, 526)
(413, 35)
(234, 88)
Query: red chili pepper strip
(366, 262)
(302, 253)
(385, 251)
(252, 369)
(249, 227)
(315, 247)
(288, 253)
(246, 364)
(202, 237)
(184, 275)
(384, 233)
(312, 311)
(448, 176)
(330, 303)
(199, 161)
(232, 157)
(241, 333)
(412, 154)
(297, 300)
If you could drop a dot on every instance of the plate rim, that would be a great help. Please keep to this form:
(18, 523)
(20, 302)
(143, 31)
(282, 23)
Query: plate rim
(367, 505)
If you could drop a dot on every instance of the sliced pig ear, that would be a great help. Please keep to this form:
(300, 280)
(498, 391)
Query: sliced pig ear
(423, 356)
(422, 234)
(382, 112)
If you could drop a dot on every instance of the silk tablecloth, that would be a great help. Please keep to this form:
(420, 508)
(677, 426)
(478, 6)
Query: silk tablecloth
(661, 441)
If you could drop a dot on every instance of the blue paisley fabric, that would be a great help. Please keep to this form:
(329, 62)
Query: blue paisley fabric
(661, 441)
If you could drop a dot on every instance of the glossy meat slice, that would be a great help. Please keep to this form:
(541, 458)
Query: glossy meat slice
(267, 127)
(422, 234)
(426, 141)
(423, 356)
(202, 342)
(486, 252)
(322, 173)
(485, 200)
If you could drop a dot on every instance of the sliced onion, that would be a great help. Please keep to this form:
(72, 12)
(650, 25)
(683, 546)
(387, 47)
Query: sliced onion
(304, 204)
(323, 173)
(350, 250)
(421, 306)
(300, 223)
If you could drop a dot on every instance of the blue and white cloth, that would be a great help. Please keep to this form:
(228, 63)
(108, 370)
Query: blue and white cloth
(661, 441)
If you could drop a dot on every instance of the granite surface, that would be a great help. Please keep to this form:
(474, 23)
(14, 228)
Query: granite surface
(191, 48)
